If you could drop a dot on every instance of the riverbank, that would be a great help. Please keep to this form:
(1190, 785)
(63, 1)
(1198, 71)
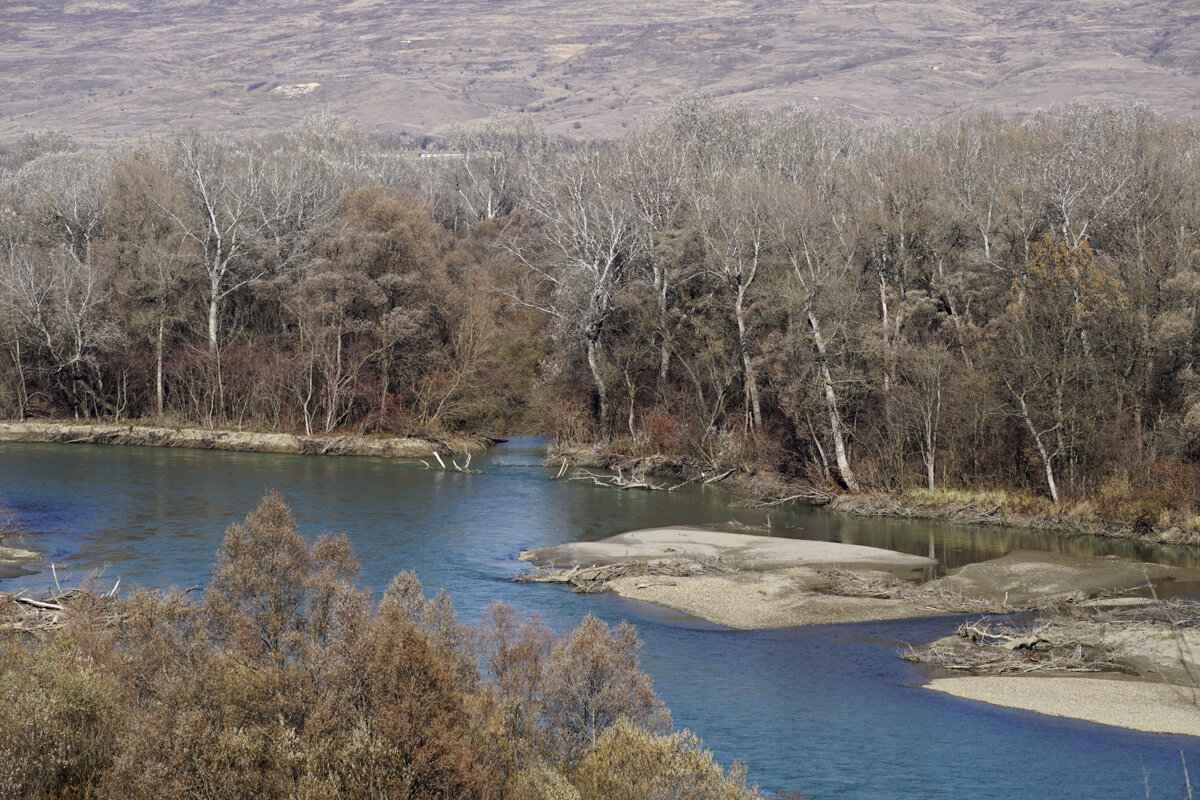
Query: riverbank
(236, 441)
(956, 506)
(1008, 510)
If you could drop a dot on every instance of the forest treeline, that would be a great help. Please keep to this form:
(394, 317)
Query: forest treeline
(286, 680)
(976, 302)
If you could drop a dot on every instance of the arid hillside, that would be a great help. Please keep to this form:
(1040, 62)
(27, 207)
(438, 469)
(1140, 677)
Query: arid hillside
(105, 67)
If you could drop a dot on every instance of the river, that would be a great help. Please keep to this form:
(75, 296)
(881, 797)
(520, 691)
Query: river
(829, 711)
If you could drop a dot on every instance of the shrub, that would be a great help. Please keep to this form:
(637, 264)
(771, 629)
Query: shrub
(283, 683)
(630, 763)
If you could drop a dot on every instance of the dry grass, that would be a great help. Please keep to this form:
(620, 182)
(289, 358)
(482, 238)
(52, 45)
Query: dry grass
(139, 67)
(1164, 502)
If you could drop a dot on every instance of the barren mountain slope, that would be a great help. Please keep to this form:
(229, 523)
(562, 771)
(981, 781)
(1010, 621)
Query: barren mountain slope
(104, 67)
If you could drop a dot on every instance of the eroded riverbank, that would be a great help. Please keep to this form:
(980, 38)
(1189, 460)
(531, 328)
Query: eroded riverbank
(236, 441)
(995, 509)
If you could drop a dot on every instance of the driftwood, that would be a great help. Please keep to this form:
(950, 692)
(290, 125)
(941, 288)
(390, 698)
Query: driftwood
(996, 649)
(619, 481)
(594, 579)
(22, 614)
(466, 467)
(333, 443)
(719, 477)
(811, 497)
(845, 583)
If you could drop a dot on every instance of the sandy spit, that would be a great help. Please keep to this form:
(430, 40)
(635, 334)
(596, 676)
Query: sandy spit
(1137, 705)
(738, 550)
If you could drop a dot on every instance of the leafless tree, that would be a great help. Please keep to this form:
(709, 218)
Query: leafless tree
(586, 242)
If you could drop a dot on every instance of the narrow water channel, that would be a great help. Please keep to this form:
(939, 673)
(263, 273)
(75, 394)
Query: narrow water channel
(829, 711)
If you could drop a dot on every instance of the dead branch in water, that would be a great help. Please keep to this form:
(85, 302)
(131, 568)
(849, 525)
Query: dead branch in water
(619, 481)
(720, 477)
(812, 497)
(594, 579)
(457, 468)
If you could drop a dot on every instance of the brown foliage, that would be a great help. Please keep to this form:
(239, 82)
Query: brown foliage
(283, 682)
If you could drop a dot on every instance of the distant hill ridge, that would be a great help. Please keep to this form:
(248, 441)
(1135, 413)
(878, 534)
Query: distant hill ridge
(106, 67)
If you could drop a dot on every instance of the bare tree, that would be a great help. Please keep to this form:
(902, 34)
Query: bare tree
(229, 206)
(652, 168)
(62, 306)
(734, 221)
(581, 254)
(820, 244)
(485, 164)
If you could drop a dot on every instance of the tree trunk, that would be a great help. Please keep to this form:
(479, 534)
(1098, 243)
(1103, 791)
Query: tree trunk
(1041, 448)
(22, 391)
(158, 368)
(601, 391)
(933, 414)
(831, 403)
(817, 442)
(664, 347)
(212, 322)
(747, 368)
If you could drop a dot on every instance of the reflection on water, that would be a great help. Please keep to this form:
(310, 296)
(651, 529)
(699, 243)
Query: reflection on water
(829, 710)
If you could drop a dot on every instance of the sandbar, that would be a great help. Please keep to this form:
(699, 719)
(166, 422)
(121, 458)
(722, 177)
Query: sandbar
(1137, 705)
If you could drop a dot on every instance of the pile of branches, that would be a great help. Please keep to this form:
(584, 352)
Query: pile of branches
(1177, 614)
(883, 586)
(594, 579)
(21, 614)
(992, 648)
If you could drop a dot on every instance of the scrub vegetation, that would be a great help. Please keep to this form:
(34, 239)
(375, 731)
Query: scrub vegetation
(286, 680)
(946, 313)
